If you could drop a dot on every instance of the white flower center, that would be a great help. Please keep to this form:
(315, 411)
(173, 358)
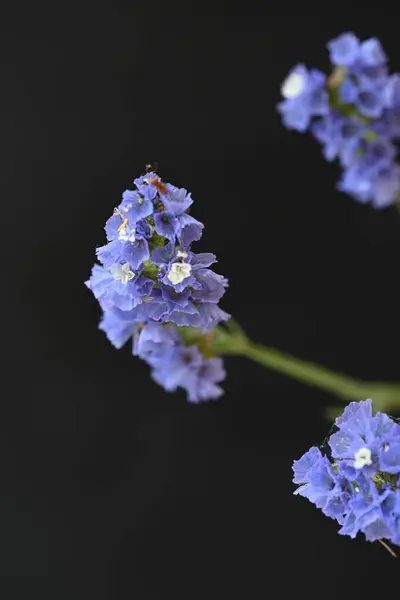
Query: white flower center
(178, 272)
(292, 86)
(181, 254)
(362, 458)
(122, 272)
(127, 234)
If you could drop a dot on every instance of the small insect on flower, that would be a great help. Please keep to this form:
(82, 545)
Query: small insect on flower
(159, 185)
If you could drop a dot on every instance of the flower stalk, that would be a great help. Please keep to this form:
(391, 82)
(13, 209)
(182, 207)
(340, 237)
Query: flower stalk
(231, 340)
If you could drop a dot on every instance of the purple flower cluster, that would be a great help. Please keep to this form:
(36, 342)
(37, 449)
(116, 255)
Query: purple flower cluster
(358, 484)
(150, 284)
(354, 114)
(176, 365)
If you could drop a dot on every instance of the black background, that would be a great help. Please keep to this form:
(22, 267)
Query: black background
(111, 488)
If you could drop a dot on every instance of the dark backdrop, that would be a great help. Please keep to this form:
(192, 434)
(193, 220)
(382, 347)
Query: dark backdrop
(110, 487)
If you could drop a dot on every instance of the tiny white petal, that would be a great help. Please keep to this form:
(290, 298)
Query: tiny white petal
(293, 85)
(115, 271)
(181, 254)
(178, 272)
(122, 273)
(362, 457)
(127, 234)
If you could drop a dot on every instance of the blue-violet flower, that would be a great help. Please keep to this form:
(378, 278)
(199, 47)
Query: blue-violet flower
(151, 287)
(351, 113)
(357, 480)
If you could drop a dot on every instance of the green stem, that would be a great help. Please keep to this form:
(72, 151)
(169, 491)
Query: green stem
(386, 396)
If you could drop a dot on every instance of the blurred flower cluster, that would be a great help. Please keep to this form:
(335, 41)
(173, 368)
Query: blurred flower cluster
(354, 113)
(357, 480)
(151, 287)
